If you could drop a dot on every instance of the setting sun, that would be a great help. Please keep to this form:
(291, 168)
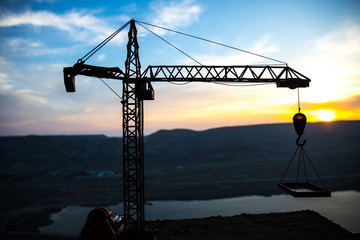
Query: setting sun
(326, 115)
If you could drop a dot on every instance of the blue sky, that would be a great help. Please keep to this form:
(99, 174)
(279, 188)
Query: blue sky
(321, 39)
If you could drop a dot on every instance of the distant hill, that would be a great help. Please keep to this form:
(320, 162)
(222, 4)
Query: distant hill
(35, 153)
(331, 143)
(179, 164)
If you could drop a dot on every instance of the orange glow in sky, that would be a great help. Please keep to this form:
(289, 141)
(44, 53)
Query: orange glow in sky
(326, 115)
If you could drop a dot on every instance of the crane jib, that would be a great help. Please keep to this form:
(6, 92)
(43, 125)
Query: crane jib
(283, 76)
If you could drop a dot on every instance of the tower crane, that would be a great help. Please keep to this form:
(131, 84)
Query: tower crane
(136, 88)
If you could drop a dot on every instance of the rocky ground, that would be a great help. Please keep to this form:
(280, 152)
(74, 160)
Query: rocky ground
(293, 225)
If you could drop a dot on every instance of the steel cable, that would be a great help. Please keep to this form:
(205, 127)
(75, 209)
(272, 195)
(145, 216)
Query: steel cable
(207, 40)
(100, 45)
(170, 44)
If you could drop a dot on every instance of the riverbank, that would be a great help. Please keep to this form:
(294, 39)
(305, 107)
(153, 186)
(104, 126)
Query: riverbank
(340, 209)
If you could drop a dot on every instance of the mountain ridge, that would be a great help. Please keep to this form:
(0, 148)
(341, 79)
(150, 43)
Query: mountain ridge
(183, 143)
(58, 171)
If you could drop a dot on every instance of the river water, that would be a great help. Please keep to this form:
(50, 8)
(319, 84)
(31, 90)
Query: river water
(342, 208)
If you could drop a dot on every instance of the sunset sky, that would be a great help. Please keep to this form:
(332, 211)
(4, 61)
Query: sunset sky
(320, 39)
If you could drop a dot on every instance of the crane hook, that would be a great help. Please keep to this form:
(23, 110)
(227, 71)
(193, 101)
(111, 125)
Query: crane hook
(298, 141)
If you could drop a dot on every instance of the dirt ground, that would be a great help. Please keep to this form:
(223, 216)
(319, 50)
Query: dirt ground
(293, 225)
(302, 225)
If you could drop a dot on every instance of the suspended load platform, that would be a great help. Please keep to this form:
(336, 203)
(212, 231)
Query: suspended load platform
(302, 187)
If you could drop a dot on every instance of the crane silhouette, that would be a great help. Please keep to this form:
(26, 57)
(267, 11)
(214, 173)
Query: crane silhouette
(136, 87)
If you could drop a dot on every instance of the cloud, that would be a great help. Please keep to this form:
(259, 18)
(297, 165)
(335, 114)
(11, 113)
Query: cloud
(101, 57)
(346, 104)
(344, 109)
(16, 95)
(264, 46)
(33, 100)
(30, 111)
(174, 14)
(22, 47)
(130, 7)
(332, 62)
(45, 1)
(17, 42)
(82, 26)
(17, 102)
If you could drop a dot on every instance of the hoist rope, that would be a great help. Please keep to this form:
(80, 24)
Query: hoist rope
(298, 95)
(214, 42)
(312, 165)
(170, 44)
(100, 45)
(302, 155)
(292, 158)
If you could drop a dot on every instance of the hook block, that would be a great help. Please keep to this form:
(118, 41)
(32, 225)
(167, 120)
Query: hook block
(299, 121)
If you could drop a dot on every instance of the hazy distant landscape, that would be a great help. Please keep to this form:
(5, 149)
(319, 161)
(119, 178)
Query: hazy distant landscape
(42, 174)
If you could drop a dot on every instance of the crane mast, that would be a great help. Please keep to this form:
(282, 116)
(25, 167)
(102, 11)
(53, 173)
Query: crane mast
(137, 88)
(133, 136)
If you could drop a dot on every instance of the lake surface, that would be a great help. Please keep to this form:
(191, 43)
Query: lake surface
(342, 208)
